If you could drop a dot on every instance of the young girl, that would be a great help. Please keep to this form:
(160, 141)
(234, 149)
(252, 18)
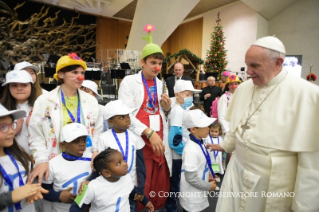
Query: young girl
(15, 166)
(113, 188)
(32, 70)
(215, 137)
(19, 93)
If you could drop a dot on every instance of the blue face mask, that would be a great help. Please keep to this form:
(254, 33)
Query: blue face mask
(188, 101)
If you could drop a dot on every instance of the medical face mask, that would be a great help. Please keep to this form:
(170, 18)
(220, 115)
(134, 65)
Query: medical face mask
(188, 101)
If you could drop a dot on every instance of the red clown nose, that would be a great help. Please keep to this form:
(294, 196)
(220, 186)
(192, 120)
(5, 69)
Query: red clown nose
(157, 69)
(81, 78)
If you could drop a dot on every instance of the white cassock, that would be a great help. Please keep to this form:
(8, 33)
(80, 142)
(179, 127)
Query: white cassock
(279, 153)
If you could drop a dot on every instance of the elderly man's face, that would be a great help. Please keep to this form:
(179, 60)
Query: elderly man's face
(260, 67)
(210, 82)
(224, 78)
(178, 70)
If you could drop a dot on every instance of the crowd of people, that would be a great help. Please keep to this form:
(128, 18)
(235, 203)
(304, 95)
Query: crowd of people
(62, 151)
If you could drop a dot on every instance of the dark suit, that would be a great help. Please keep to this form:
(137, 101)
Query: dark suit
(215, 92)
(170, 83)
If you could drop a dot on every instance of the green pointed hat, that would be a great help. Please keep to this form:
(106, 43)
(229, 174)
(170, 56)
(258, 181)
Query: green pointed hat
(151, 47)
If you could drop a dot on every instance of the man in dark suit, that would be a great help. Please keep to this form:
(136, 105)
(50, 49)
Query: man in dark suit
(209, 94)
(170, 81)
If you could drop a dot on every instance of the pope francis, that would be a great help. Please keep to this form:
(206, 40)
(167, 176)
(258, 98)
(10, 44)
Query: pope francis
(274, 131)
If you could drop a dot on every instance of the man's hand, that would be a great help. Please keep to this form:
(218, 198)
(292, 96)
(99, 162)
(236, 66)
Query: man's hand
(211, 178)
(66, 196)
(149, 206)
(157, 144)
(166, 102)
(37, 196)
(207, 95)
(212, 185)
(19, 126)
(39, 171)
(214, 147)
(24, 192)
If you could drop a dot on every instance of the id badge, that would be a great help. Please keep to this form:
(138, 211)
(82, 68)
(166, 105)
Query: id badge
(155, 122)
(215, 167)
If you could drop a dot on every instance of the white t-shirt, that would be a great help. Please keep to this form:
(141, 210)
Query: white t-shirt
(193, 199)
(219, 158)
(135, 143)
(65, 174)
(23, 137)
(12, 171)
(177, 120)
(109, 196)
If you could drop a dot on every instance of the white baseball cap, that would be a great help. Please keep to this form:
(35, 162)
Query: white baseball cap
(17, 114)
(70, 132)
(271, 42)
(93, 86)
(196, 118)
(115, 108)
(18, 77)
(185, 85)
(23, 65)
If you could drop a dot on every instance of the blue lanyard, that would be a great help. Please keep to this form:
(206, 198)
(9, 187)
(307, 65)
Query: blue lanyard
(78, 110)
(74, 157)
(215, 152)
(119, 144)
(7, 178)
(149, 93)
(206, 156)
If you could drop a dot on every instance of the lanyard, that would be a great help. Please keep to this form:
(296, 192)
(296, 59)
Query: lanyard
(119, 144)
(78, 110)
(215, 152)
(7, 178)
(149, 93)
(74, 157)
(206, 156)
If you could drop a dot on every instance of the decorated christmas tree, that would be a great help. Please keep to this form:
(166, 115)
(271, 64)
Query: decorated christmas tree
(216, 56)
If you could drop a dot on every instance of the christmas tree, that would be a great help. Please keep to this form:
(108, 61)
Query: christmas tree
(216, 55)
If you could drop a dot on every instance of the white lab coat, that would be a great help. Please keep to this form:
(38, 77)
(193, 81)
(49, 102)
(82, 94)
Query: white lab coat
(46, 124)
(131, 92)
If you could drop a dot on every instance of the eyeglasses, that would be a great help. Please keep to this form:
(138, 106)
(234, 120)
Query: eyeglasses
(79, 140)
(5, 127)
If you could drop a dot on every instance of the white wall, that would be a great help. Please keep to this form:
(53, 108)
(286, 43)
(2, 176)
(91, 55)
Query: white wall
(298, 28)
(240, 25)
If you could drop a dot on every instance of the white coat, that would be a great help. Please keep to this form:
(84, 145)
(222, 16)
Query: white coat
(46, 123)
(131, 92)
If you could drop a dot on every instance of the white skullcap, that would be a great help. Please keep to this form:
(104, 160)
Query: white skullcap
(271, 42)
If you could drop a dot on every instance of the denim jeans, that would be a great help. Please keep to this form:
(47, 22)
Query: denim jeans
(171, 202)
(133, 205)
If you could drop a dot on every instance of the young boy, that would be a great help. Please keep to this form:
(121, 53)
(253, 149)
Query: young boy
(91, 88)
(196, 165)
(68, 169)
(128, 143)
(178, 133)
(143, 92)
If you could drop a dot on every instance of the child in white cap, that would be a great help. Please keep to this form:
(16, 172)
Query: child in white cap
(195, 178)
(69, 169)
(178, 134)
(129, 144)
(20, 93)
(90, 87)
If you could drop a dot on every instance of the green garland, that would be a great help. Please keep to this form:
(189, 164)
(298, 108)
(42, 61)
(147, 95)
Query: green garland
(181, 52)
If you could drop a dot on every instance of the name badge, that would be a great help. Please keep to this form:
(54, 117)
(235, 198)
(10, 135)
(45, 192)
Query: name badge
(155, 122)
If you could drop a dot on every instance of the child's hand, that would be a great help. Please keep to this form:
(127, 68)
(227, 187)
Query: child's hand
(37, 196)
(19, 126)
(82, 186)
(66, 196)
(24, 192)
(212, 185)
(29, 116)
(150, 207)
(211, 178)
(138, 197)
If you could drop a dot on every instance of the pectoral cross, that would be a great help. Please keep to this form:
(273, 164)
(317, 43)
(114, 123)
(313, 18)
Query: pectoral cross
(244, 127)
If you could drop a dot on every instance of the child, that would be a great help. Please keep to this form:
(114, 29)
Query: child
(113, 188)
(15, 164)
(91, 88)
(196, 163)
(178, 135)
(68, 169)
(215, 137)
(128, 143)
(19, 93)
